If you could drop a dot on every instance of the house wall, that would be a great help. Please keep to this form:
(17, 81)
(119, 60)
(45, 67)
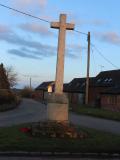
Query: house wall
(110, 102)
(38, 95)
(46, 95)
(95, 96)
(76, 98)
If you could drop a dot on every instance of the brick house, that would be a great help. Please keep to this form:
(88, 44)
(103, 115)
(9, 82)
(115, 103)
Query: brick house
(103, 81)
(76, 90)
(110, 99)
(45, 88)
(42, 89)
(98, 85)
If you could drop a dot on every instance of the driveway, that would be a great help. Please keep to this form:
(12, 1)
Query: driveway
(33, 111)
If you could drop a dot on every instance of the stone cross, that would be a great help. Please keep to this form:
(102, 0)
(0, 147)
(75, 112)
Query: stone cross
(62, 26)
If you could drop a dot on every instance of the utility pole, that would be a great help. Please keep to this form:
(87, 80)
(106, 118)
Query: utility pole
(30, 79)
(30, 83)
(88, 69)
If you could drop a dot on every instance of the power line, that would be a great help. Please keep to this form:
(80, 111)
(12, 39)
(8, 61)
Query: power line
(95, 68)
(30, 15)
(104, 57)
(80, 32)
(27, 14)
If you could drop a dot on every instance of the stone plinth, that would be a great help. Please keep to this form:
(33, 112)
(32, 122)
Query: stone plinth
(57, 107)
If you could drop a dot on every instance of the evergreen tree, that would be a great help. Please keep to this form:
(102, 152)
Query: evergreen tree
(4, 83)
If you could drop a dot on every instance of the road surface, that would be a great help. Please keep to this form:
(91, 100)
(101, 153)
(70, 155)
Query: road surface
(33, 111)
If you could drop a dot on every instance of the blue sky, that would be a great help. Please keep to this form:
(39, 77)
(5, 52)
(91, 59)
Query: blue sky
(30, 45)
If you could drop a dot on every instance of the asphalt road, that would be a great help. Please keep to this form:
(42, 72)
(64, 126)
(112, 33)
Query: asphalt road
(33, 111)
(96, 123)
(28, 111)
(45, 158)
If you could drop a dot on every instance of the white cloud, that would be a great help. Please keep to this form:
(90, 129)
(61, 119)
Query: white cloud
(4, 29)
(110, 37)
(30, 49)
(98, 22)
(36, 28)
(27, 3)
(93, 22)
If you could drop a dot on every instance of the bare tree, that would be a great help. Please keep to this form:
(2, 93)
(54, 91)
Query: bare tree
(12, 76)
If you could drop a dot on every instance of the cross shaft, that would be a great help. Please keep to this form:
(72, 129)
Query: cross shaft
(62, 26)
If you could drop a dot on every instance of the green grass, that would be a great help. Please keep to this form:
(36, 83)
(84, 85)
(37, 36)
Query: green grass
(11, 139)
(96, 112)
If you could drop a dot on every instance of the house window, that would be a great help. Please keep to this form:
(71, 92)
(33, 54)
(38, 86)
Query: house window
(49, 89)
(99, 80)
(110, 80)
(106, 80)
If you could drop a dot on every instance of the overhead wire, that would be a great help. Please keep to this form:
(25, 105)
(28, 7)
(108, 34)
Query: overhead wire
(100, 53)
(47, 21)
(24, 13)
(30, 15)
(95, 69)
(80, 32)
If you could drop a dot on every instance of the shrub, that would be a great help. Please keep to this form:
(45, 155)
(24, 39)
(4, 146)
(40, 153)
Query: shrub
(7, 96)
(26, 92)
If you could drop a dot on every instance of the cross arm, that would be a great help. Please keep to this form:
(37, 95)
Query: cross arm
(70, 26)
(55, 25)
